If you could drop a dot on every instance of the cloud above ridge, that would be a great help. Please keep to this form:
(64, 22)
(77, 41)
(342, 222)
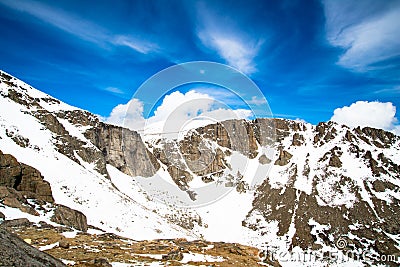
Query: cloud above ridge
(372, 114)
(178, 111)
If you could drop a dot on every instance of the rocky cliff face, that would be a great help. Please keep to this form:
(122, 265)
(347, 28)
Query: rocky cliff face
(25, 179)
(80, 135)
(315, 184)
(23, 187)
(332, 182)
(123, 149)
(327, 181)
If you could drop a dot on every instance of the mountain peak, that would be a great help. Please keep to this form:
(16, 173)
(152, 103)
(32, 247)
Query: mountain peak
(29, 97)
(265, 183)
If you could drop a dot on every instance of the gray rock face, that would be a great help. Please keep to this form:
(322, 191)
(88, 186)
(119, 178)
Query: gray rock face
(15, 252)
(238, 135)
(70, 217)
(202, 152)
(123, 149)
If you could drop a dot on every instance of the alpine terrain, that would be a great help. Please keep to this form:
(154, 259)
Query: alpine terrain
(266, 192)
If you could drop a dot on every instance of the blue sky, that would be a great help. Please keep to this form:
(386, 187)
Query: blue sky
(308, 57)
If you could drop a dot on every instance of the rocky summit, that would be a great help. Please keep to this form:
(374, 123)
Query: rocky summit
(237, 192)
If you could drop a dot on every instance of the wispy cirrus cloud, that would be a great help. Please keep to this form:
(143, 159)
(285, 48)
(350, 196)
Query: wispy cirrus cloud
(236, 48)
(114, 90)
(236, 52)
(140, 46)
(368, 31)
(81, 28)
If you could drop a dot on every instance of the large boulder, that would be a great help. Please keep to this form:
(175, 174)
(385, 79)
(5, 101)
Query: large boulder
(14, 199)
(23, 178)
(15, 252)
(70, 217)
(32, 184)
(20, 222)
(10, 170)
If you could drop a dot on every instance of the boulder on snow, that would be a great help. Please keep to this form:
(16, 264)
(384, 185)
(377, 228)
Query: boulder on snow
(284, 157)
(70, 217)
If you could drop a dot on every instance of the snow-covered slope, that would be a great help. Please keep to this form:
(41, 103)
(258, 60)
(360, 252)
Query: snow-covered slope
(75, 184)
(275, 184)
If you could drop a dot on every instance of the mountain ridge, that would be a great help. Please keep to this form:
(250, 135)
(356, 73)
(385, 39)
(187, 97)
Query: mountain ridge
(302, 186)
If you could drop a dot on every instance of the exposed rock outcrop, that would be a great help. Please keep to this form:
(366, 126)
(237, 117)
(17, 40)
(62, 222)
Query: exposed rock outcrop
(123, 149)
(15, 252)
(23, 178)
(284, 157)
(12, 198)
(70, 145)
(298, 139)
(20, 222)
(70, 217)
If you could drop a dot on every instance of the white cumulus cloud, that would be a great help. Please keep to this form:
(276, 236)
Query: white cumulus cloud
(129, 115)
(373, 114)
(178, 112)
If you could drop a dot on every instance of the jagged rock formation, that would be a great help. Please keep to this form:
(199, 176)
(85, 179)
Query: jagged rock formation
(97, 143)
(15, 252)
(343, 180)
(62, 214)
(19, 182)
(12, 198)
(320, 182)
(203, 151)
(23, 178)
(340, 185)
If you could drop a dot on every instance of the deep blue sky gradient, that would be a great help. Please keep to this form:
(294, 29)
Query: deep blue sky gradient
(68, 50)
